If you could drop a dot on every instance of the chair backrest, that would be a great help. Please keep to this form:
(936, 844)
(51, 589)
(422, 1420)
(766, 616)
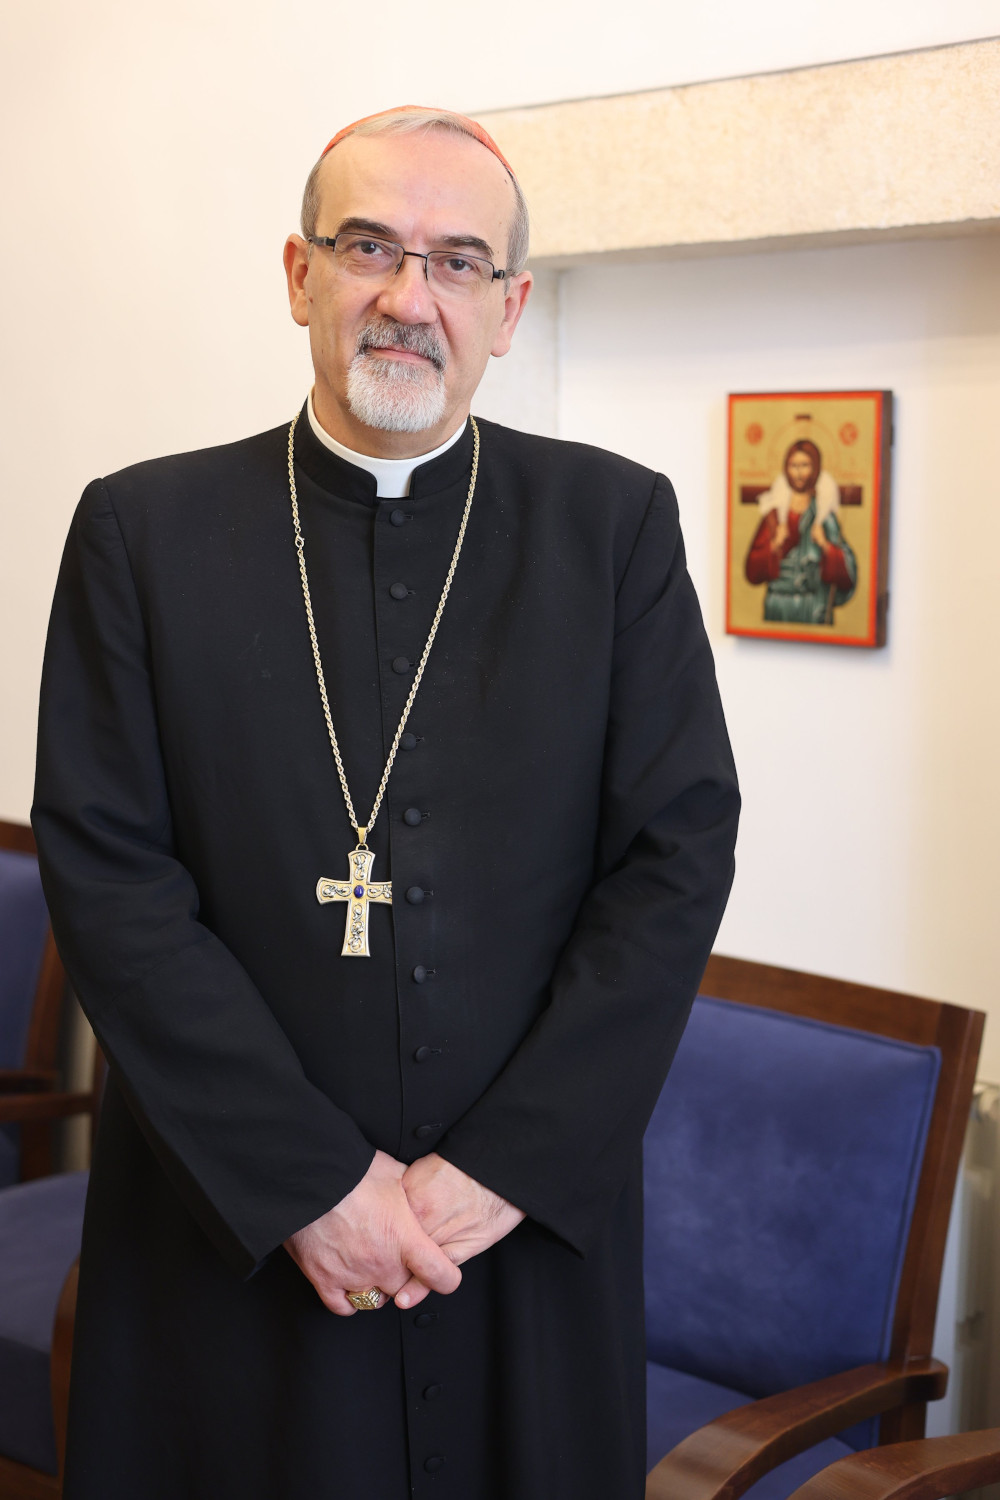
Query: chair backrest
(24, 928)
(799, 1171)
(32, 982)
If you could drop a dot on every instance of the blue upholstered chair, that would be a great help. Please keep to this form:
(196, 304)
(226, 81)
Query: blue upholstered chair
(40, 1227)
(41, 1216)
(32, 985)
(41, 1223)
(800, 1166)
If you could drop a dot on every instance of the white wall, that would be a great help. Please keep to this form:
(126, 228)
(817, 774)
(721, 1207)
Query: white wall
(152, 161)
(872, 800)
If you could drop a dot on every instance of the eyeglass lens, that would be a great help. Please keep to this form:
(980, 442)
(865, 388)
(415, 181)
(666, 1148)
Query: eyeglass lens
(450, 271)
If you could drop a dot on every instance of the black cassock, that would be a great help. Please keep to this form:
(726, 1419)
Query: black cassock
(559, 831)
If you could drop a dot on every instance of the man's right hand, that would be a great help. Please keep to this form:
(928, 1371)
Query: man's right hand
(370, 1238)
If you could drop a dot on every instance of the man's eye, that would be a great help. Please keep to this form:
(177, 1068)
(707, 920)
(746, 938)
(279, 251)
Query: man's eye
(456, 268)
(364, 256)
(364, 249)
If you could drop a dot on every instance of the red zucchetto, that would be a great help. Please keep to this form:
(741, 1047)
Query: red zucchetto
(472, 126)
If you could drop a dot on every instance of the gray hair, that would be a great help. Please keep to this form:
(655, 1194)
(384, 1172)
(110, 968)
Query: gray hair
(404, 123)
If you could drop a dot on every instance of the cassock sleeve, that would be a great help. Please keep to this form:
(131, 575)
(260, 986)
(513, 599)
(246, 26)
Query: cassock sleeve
(557, 1131)
(254, 1149)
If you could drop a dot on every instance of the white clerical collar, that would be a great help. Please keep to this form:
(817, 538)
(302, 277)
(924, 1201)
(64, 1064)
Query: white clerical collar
(392, 475)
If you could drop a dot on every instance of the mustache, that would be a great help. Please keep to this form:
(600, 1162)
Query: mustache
(416, 338)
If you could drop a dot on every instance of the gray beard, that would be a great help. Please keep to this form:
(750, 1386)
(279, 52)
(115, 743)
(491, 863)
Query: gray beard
(394, 395)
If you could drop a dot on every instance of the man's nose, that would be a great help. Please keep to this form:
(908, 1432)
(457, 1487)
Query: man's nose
(407, 296)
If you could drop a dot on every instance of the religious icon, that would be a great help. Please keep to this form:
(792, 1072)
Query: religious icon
(809, 516)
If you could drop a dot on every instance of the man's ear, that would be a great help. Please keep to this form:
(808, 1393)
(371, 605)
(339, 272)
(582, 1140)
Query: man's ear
(516, 292)
(296, 260)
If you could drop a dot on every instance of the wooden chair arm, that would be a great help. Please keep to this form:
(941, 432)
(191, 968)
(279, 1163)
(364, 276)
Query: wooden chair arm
(924, 1470)
(27, 1080)
(62, 1358)
(725, 1457)
(26, 1109)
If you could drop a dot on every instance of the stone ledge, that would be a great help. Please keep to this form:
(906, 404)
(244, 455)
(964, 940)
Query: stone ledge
(889, 147)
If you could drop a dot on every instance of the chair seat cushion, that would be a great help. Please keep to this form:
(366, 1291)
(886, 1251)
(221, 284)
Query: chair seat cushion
(678, 1404)
(40, 1228)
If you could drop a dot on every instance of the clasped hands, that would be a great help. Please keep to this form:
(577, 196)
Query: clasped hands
(403, 1229)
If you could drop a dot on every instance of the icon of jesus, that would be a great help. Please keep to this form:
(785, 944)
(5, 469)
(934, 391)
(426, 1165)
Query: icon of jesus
(799, 550)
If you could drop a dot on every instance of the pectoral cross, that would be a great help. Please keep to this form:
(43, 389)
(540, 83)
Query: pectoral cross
(359, 892)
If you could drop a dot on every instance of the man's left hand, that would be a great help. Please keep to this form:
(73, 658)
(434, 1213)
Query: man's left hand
(460, 1214)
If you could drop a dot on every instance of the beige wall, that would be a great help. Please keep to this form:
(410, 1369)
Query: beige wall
(151, 167)
(872, 802)
(151, 161)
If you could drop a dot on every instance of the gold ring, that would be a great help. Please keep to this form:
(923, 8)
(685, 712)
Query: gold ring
(366, 1301)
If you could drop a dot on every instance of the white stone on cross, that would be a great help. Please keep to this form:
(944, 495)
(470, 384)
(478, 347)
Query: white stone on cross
(359, 892)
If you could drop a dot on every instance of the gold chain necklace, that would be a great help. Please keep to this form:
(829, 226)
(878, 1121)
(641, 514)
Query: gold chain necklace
(359, 890)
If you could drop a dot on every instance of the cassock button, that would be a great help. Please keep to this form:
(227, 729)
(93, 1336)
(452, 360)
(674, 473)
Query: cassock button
(423, 1053)
(431, 1392)
(419, 974)
(413, 817)
(401, 664)
(398, 517)
(425, 1319)
(399, 590)
(415, 894)
(423, 1131)
(408, 742)
(434, 1463)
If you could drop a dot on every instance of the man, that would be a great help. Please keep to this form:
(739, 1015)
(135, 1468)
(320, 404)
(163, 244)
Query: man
(402, 1056)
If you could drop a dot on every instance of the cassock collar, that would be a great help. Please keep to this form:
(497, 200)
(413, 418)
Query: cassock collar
(338, 477)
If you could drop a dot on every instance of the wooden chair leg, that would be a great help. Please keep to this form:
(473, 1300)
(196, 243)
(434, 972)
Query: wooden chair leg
(905, 1425)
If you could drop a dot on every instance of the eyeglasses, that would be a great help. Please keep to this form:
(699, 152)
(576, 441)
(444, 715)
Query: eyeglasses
(448, 271)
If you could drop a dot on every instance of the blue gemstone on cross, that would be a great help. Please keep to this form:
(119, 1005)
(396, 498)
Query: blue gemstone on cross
(359, 890)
